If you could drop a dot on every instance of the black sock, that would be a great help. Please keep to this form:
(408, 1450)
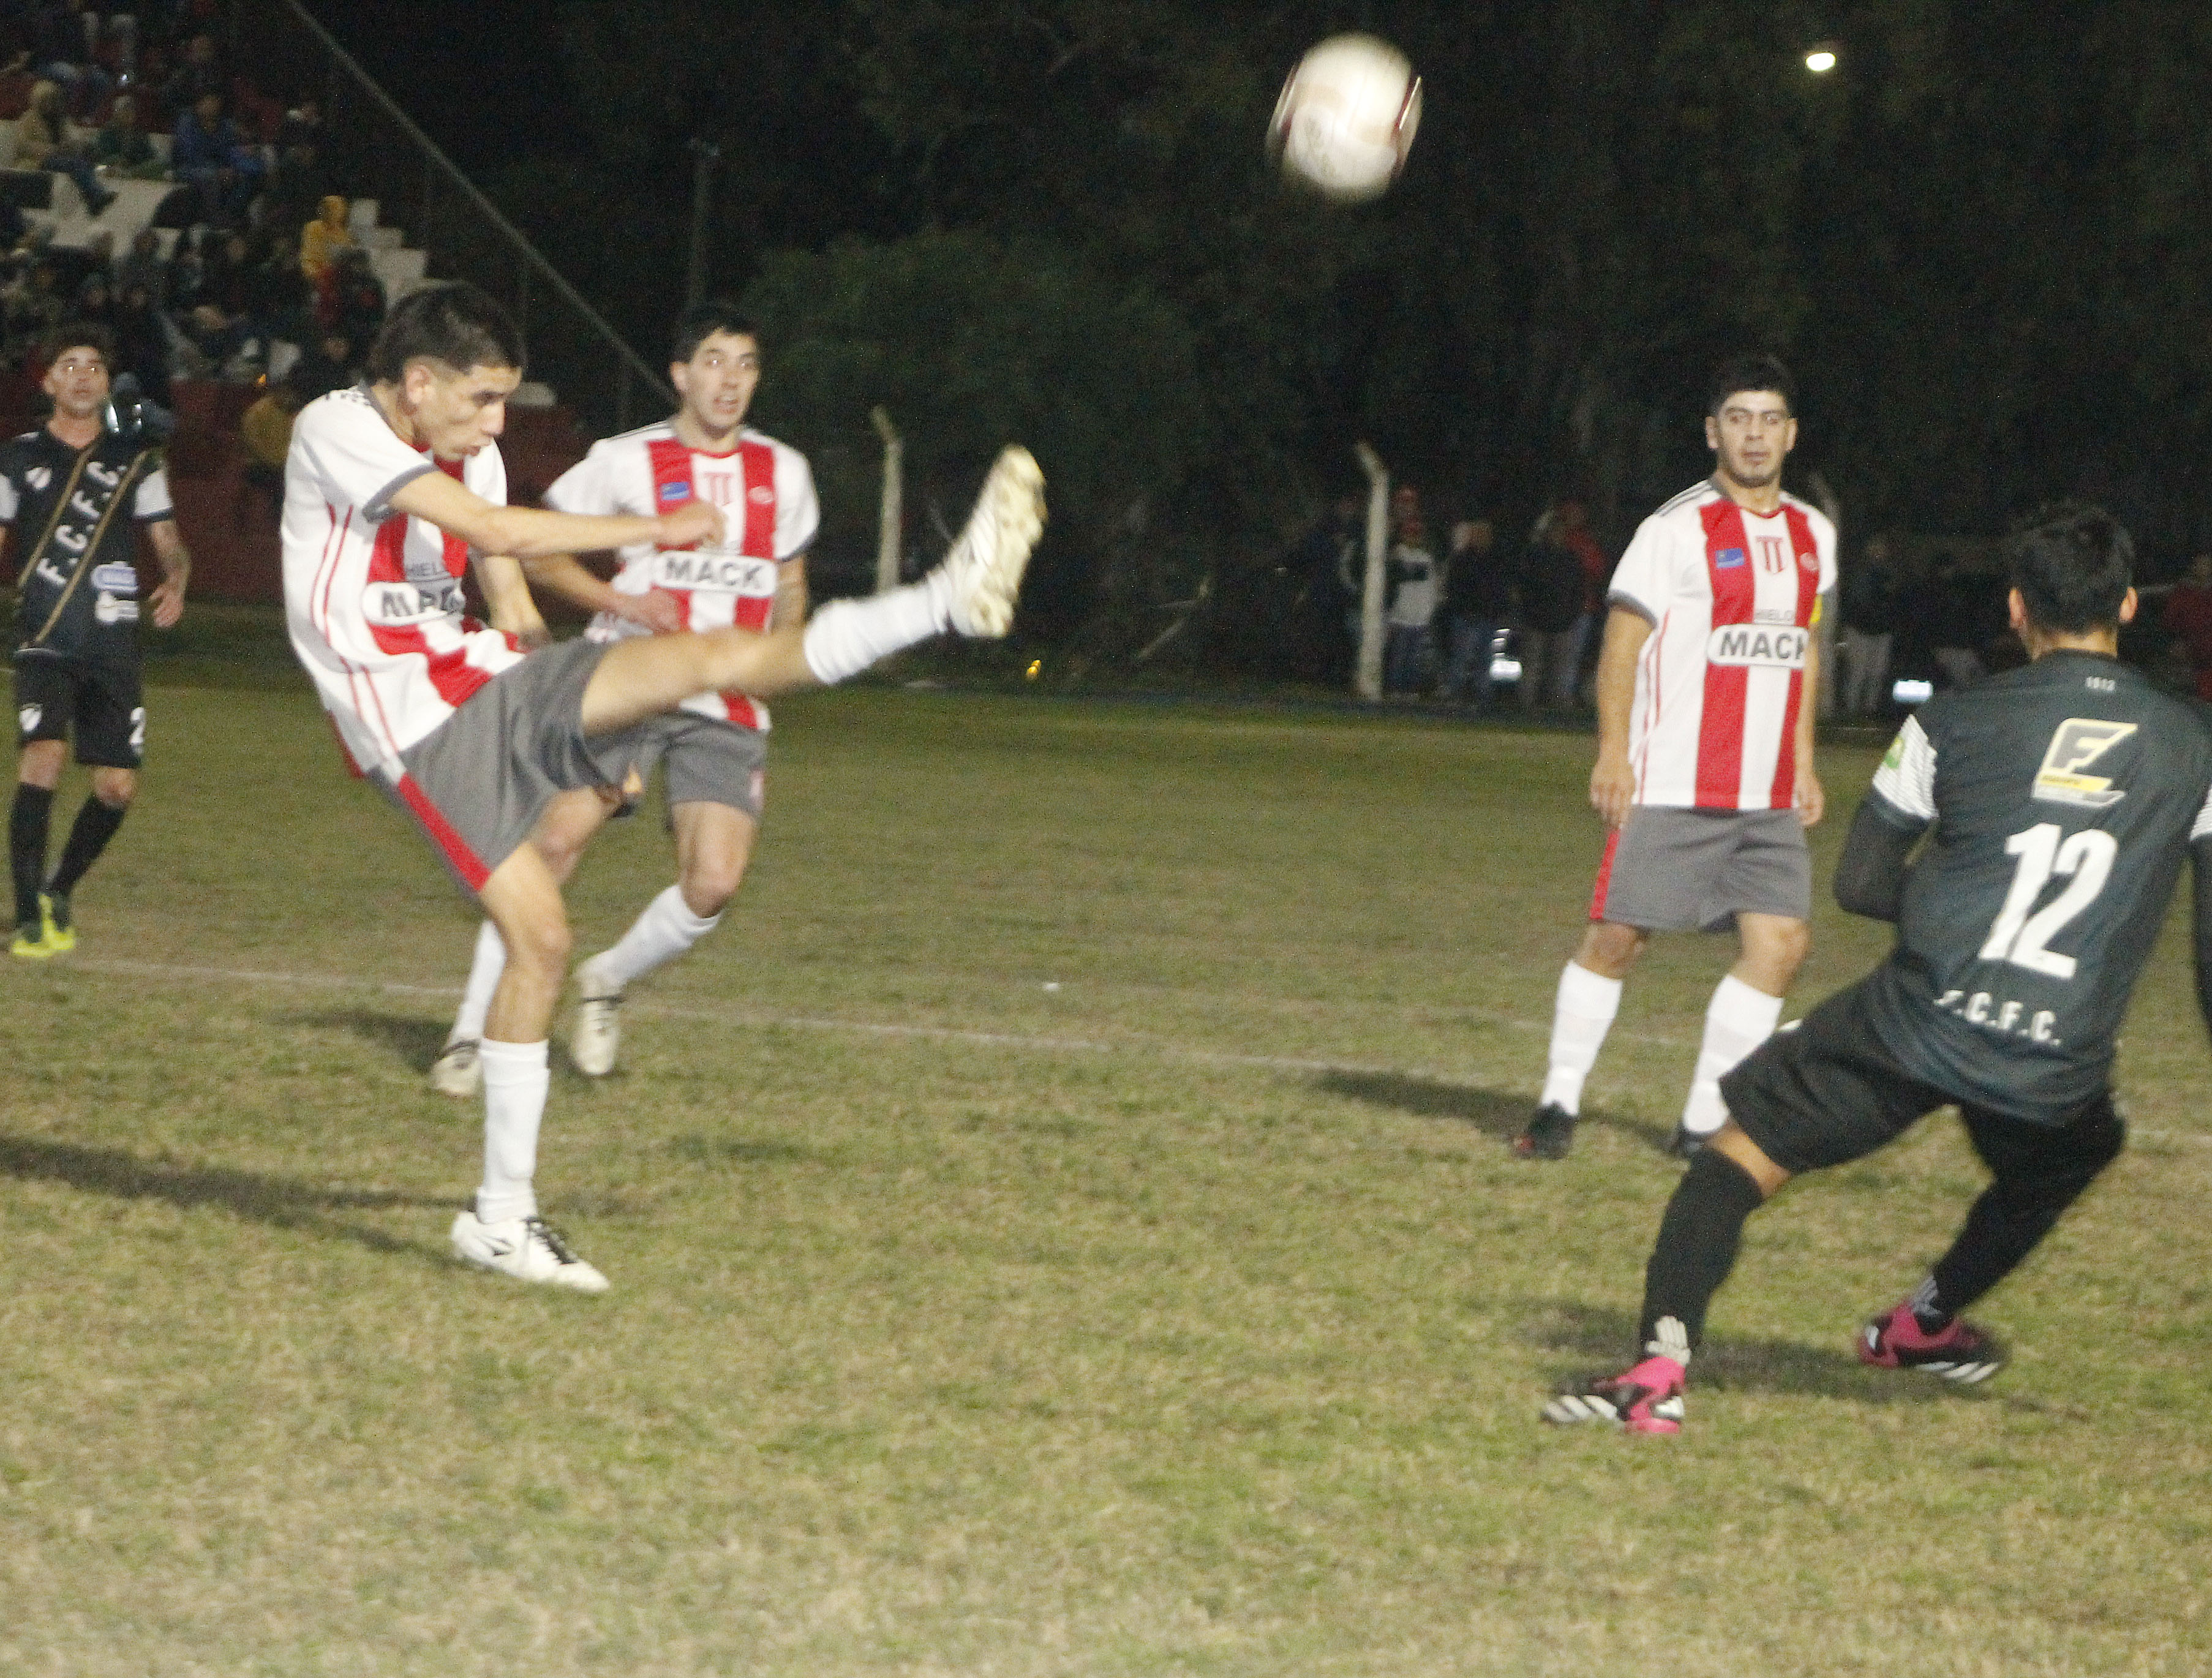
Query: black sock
(94, 826)
(1696, 1249)
(27, 847)
(2039, 1173)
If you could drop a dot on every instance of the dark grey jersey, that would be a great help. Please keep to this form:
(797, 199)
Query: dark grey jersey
(2064, 796)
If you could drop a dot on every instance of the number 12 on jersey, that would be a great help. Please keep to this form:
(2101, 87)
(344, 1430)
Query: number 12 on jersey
(2043, 851)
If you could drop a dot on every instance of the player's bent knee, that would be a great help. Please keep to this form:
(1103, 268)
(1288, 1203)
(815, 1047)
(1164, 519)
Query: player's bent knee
(115, 789)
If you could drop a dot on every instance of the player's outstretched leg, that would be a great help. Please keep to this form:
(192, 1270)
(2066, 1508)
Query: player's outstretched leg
(972, 593)
(2037, 1172)
(1699, 1238)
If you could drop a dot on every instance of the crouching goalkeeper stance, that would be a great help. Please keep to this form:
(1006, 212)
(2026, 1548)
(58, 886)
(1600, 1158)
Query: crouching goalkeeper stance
(2056, 802)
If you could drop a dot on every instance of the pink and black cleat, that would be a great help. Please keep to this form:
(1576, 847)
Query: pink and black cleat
(1960, 1352)
(1647, 1399)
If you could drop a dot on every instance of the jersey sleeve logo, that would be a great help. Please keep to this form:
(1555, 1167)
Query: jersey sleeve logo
(2080, 742)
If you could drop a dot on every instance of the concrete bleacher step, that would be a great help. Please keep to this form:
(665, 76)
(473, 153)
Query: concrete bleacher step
(401, 271)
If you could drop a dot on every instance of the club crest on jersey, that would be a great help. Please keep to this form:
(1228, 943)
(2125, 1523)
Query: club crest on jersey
(761, 496)
(2080, 742)
(1757, 645)
(1730, 559)
(1808, 561)
(27, 717)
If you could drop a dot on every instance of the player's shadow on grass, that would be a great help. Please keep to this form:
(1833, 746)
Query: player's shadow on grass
(415, 1042)
(1492, 1112)
(282, 1202)
(1596, 1341)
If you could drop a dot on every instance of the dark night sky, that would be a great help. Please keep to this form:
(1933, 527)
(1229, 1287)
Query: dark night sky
(484, 86)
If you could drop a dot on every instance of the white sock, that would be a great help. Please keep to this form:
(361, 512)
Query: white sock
(515, 1080)
(846, 636)
(483, 979)
(663, 932)
(1737, 1020)
(1580, 1019)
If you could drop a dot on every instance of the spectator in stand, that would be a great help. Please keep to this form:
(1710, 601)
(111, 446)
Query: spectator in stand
(142, 266)
(1553, 596)
(199, 73)
(221, 325)
(64, 39)
(142, 340)
(1477, 598)
(1577, 537)
(42, 142)
(123, 149)
(329, 364)
(95, 302)
(278, 296)
(1870, 608)
(266, 430)
(2188, 620)
(33, 304)
(1412, 603)
(360, 297)
(209, 153)
(320, 241)
(302, 126)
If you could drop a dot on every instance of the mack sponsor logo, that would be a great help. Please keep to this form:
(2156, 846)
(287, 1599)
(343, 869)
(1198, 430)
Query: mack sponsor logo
(1757, 645)
(731, 571)
(397, 605)
(116, 579)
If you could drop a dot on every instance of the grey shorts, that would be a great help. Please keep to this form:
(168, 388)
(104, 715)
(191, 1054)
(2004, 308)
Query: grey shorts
(1695, 869)
(708, 762)
(479, 783)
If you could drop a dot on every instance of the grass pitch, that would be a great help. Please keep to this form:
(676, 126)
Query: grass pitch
(1059, 1224)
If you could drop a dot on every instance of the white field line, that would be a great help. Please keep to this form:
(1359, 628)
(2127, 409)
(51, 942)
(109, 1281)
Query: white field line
(1172, 1051)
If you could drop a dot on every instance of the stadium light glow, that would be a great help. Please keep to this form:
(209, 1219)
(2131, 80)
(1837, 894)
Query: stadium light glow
(1821, 59)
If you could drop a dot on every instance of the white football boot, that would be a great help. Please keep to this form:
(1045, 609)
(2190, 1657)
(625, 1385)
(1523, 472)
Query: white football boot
(985, 566)
(596, 1036)
(529, 1249)
(457, 1071)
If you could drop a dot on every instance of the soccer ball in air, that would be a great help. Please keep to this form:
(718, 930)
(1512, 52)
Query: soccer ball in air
(1346, 117)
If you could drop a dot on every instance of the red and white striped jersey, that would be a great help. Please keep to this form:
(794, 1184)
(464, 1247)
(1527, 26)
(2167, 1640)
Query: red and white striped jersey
(766, 493)
(1733, 596)
(372, 597)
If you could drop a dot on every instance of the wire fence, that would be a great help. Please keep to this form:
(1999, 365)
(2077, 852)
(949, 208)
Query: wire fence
(375, 149)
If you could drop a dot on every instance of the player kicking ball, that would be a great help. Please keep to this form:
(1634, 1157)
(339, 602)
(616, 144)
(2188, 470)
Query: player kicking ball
(1704, 753)
(390, 488)
(2057, 802)
(714, 749)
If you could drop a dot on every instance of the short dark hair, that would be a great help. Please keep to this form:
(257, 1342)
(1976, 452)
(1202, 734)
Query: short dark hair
(81, 334)
(702, 320)
(2073, 564)
(1750, 373)
(456, 325)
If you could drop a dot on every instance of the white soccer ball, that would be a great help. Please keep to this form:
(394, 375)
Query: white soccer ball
(1346, 117)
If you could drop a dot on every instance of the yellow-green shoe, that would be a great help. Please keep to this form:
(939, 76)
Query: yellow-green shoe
(60, 928)
(31, 943)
